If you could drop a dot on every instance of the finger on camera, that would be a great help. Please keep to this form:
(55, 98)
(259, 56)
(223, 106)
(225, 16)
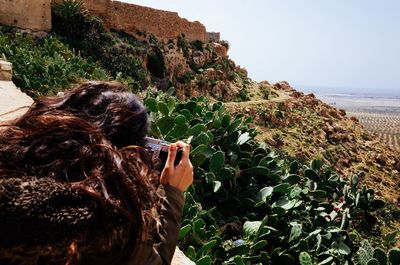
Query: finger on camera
(171, 155)
(185, 149)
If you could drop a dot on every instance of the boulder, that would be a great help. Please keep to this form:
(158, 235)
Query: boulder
(220, 49)
(180, 258)
(13, 102)
(5, 71)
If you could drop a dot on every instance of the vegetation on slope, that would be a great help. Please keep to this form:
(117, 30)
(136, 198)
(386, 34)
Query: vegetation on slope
(251, 202)
(43, 66)
(250, 205)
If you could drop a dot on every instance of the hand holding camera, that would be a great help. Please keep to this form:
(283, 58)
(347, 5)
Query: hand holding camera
(178, 175)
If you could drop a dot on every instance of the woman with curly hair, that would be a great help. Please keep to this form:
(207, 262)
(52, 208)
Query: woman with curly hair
(77, 185)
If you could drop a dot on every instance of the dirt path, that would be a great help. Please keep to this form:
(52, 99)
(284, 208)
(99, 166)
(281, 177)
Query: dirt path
(282, 96)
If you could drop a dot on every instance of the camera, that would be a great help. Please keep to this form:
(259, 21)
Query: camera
(159, 150)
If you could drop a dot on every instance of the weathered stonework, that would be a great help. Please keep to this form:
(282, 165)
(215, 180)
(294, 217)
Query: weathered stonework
(132, 18)
(5, 71)
(213, 36)
(26, 14)
(36, 15)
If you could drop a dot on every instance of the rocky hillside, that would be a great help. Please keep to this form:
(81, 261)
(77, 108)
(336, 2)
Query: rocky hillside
(304, 127)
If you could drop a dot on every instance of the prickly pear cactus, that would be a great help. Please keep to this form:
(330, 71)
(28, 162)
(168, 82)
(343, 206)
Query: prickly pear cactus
(305, 258)
(394, 256)
(380, 255)
(373, 262)
(365, 253)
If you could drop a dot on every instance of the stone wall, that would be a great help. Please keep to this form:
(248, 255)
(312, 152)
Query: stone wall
(213, 36)
(26, 14)
(132, 18)
(36, 15)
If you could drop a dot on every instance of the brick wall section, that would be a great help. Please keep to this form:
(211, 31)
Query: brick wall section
(213, 36)
(129, 17)
(26, 14)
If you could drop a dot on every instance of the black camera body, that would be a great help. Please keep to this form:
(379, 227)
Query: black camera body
(159, 149)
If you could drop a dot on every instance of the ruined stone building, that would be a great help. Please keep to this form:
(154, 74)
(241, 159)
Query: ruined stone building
(36, 15)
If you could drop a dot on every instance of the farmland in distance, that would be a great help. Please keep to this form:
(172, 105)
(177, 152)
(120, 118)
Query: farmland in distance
(385, 126)
(378, 113)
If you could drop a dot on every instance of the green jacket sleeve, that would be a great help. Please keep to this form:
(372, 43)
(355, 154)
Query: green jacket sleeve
(170, 219)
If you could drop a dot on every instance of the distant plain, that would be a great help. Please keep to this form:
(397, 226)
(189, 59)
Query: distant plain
(379, 113)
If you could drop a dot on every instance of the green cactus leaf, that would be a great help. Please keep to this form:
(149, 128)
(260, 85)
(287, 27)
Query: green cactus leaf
(165, 124)
(282, 188)
(390, 238)
(191, 106)
(311, 174)
(377, 204)
(250, 228)
(285, 259)
(171, 104)
(394, 256)
(184, 231)
(206, 260)
(305, 259)
(163, 108)
(225, 121)
(255, 171)
(292, 179)
(343, 248)
(240, 250)
(191, 253)
(259, 245)
(373, 262)
(217, 161)
(264, 194)
(238, 260)
(354, 183)
(151, 104)
(295, 232)
(316, 165)
(226, 173)
(202, 138)
(198, 149)
(284, 203)
(234, 126)
(380, 255)
(197, 129)
(170, 91)
(178, 131)
(206, 248)
(318, 193)
(180, 119)
(294, 167)
(187, 114)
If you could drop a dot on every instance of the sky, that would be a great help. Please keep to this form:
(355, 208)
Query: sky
(335, 44)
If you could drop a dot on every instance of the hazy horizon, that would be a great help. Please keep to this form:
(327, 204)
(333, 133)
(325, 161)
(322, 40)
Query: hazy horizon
(338, 44)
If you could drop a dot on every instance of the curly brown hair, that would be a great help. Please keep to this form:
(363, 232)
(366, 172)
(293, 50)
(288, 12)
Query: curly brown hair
(74, 176)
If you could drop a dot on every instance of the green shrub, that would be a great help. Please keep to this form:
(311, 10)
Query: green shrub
(45, 66)
(225, 44)
(198, 45)
(120, 54)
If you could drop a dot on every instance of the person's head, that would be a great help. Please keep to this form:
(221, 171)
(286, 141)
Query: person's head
(108, 105)
(77, 140)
